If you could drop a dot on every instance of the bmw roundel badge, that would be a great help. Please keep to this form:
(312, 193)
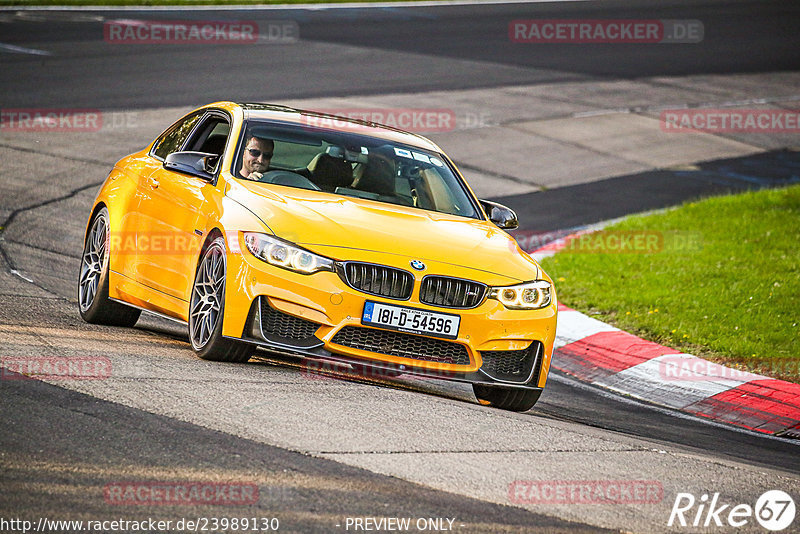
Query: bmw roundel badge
(418, 265)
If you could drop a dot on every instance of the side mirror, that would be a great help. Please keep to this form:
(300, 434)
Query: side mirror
(199, 164)
(500, 215)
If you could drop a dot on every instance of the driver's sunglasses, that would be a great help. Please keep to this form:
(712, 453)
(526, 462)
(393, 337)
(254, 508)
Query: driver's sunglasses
(256, 153)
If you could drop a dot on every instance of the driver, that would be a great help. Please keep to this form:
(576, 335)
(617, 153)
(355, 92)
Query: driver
(256, 157)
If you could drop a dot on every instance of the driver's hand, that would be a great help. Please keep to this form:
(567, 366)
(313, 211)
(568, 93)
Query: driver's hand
(255, 176)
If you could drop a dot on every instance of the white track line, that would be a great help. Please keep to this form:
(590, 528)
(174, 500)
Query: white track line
(21, 50)
(274, 7)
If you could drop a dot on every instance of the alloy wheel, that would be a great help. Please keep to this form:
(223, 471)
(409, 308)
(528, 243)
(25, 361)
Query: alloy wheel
(207, 296)
(94, 255)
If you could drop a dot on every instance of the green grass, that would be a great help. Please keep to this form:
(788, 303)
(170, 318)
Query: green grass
(732, 296)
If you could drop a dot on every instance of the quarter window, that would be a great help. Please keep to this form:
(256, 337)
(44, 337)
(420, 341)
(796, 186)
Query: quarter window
(173, 140)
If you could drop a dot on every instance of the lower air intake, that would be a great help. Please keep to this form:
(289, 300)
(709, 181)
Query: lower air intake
(513, 365)
(283, 325)
(402, 345)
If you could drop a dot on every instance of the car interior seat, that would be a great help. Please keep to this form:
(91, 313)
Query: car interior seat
(215, 144)
(376, 176)
(329, 172)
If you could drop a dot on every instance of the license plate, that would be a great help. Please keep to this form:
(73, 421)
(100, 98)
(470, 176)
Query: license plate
(411, 320)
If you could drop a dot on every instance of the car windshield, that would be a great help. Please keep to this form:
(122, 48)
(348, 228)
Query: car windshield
(353, 165)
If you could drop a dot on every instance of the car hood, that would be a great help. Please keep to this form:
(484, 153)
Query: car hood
(339, 226)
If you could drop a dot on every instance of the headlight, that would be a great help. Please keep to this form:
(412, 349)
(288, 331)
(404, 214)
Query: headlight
(527, 296)
(283, 254)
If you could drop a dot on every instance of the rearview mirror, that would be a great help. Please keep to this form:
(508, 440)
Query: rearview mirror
(500, 215)
(199, 164)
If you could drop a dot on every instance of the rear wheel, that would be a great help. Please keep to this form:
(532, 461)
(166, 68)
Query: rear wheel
(207, 306)
(93, 302)
(513, 399)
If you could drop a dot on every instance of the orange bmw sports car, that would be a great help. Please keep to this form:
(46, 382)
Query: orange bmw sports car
(328, 238)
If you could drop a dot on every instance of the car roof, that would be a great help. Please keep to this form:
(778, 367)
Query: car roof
(276, 112)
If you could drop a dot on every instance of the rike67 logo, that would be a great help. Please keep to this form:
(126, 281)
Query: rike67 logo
(774, 510)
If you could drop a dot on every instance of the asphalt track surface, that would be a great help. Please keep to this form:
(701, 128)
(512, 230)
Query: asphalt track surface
(351, 52)
(397, 50)
(304, 493)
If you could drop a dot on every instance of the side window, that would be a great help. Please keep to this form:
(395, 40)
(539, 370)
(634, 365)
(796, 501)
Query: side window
(172, 141)
(211, 136)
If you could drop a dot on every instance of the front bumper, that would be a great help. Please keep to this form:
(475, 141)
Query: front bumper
(319, 316)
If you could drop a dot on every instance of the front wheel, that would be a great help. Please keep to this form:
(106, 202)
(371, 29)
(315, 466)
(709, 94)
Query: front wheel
(515, 400)
(206, 309)
(94, 304)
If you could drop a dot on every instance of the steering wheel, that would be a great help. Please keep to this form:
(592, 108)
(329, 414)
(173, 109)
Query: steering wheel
(292, 179)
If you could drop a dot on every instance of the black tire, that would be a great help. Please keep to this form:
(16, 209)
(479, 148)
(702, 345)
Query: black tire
(207, 308)
(93, 303)
(515, 400)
